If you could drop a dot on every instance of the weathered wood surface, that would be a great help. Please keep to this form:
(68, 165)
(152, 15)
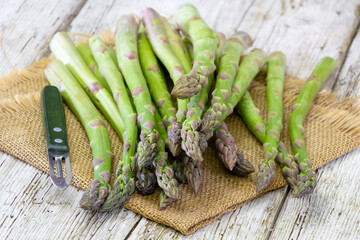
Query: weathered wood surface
(305, 30)
(27, 26)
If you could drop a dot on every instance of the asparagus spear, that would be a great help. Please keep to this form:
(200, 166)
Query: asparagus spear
(205, 41)
(64, 50)
(229, 65)
(274, 95)
(86, 54)
(157, 36)
(164, 170)
(248, 69)
(127, 53)
(251, 116)
(221, 44)
(228, 152)
(80, 104)
(124, 185)
(157, 85)
(177, 45)
(307, 177)
(189, 132)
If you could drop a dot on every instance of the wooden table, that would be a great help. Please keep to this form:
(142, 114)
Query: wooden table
(32, 208)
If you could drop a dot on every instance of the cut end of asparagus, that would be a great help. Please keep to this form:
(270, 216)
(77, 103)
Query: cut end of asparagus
(94, 196)
(146, 181)
(174, 134)
(191, 143)
(265, 174)
(242, 167)
(119, 195)
(193, 173)
(186, 87)
(165, 201)
(305, 185)
(147, 148)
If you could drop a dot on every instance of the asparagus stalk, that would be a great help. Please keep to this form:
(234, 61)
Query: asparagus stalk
(64, 50)
(274, 95)
(205, 42)
(86, 54)
(80, 104)
(251, 116)
(164, 170)
(228, 152)
(177, 45)
(157, 36)
(307, 177)
(189, 132)
(157, 85)
(228, 67)
(124, 185)
(248, 69)
(127, 53)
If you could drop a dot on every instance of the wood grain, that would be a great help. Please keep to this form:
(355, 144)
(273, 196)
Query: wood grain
(27, 26)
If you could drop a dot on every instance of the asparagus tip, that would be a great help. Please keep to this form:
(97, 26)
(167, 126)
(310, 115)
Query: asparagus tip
(94, 196)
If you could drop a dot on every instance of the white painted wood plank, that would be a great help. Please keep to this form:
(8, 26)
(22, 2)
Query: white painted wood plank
(348, 84)
(305, 31)
(333, 210)
(32, 208)
(252, 221)
(27, 26)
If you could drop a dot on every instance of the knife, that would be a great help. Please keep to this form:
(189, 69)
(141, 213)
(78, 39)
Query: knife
(54, 127)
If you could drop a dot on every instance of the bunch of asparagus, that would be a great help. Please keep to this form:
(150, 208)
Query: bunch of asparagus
(129, 86)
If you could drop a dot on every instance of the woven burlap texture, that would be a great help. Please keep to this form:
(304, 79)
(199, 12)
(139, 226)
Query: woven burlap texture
(332, 129)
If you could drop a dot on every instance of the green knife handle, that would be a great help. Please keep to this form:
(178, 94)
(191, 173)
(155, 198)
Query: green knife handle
(54, 121)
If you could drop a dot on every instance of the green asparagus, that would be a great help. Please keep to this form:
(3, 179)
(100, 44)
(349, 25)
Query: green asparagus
(205, 42)
(307, 177)
(164, 170)
(82, 107)
(86, 54)
(251, 116)
(64, 50)
(189, 132)
(124, 185)
(248, 69)
(274, 95)
(127, 54)
(229, 65)
(157, 85)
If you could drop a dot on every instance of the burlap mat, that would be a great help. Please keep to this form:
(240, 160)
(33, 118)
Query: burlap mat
(332, 129)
